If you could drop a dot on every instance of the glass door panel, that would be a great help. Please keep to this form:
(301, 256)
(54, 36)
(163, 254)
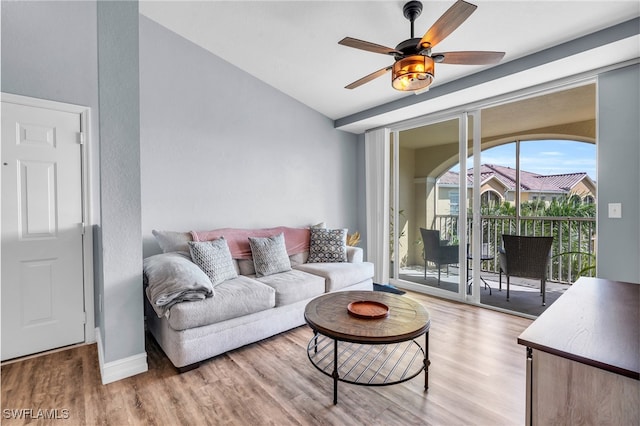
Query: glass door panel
(495, 214)
(426, 206)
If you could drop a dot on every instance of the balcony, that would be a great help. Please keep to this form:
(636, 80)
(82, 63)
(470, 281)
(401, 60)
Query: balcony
(572, 256)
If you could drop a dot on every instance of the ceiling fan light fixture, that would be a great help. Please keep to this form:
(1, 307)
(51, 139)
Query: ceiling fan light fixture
(412, 73)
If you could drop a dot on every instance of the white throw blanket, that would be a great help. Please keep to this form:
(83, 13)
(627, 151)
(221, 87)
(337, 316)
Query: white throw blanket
(173, 278)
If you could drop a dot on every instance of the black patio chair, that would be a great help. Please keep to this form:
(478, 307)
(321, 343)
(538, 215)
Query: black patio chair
(526, 257)
(437, 251)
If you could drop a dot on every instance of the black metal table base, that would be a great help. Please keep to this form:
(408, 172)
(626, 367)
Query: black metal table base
(470, 278)
(369, 364)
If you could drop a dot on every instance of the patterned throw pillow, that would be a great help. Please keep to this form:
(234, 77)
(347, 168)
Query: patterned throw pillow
(328, 245)
(269, 255)
(214, 258)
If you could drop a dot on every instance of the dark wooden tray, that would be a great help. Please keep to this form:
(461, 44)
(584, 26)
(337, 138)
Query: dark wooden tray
(368, 309)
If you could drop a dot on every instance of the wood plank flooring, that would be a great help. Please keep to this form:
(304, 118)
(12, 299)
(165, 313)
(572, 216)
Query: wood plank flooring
(477, 377)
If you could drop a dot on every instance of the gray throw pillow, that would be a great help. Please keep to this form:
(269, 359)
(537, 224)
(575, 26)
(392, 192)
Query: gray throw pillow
(269, 255)
(214, 258)
(328, 245)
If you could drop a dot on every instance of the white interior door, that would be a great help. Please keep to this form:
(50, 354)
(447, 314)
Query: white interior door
(42, 287)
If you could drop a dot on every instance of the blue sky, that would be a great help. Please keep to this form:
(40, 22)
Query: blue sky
(549, 157)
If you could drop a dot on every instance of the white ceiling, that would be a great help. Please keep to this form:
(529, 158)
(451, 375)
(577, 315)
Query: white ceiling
(293, 45)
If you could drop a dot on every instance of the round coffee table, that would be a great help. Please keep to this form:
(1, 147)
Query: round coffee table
(375, 350)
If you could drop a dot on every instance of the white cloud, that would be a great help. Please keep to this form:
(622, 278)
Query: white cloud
(552, 153)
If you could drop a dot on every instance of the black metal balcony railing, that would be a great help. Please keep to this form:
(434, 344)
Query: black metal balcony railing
(572, 253)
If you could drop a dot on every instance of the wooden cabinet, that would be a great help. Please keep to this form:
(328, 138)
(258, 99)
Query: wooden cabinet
(583, 357)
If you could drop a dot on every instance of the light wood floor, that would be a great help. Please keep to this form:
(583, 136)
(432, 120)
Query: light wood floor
(477, 377)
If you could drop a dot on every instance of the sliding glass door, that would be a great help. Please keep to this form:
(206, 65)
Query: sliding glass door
(428, 207)
(448, 208)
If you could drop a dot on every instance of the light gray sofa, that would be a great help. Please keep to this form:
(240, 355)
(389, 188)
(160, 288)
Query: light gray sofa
(247, 308)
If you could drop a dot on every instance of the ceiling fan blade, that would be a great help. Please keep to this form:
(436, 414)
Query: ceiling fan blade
(447, 23)
(369, 47)
(369, 77)
(468, 58)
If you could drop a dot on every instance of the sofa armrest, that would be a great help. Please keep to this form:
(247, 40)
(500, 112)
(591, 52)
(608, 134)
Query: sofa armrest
(354, 254)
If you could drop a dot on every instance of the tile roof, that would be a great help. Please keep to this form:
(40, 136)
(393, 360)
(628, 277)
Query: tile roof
(528, 181)
(449, 178)
(566, 181)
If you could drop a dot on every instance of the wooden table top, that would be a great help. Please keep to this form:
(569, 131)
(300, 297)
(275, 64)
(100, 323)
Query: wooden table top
(328, 315)
(596, 323)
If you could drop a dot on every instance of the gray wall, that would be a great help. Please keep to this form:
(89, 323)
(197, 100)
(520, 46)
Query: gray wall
(122, 321)
(619, 174)
(220, 148)
(49, 51)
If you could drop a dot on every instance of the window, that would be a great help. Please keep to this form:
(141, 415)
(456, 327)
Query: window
(454, 202)
(490, 198)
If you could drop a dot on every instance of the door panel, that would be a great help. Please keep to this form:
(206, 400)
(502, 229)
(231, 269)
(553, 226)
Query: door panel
(42, 233)
(429, 199)
(37, 187)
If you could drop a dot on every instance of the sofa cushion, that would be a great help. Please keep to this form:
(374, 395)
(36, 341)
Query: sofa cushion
(233, 298)
(269, 255)
(246, 267)
(328, 245)
(299, 258)
(355, 254)
(293, 286)
(170, 241)
(339, 275)
(214, 258)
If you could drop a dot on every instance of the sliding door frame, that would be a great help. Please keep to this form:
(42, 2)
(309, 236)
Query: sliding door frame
(463, 137)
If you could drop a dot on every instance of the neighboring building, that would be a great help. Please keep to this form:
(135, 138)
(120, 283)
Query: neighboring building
(499, 184)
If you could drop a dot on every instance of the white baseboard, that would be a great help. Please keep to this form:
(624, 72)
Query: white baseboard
(121, 368)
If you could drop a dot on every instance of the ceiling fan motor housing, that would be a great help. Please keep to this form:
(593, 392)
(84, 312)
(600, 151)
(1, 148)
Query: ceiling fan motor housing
(410, 47)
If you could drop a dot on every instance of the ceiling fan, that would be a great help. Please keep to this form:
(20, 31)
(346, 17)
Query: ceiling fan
(414, 65)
